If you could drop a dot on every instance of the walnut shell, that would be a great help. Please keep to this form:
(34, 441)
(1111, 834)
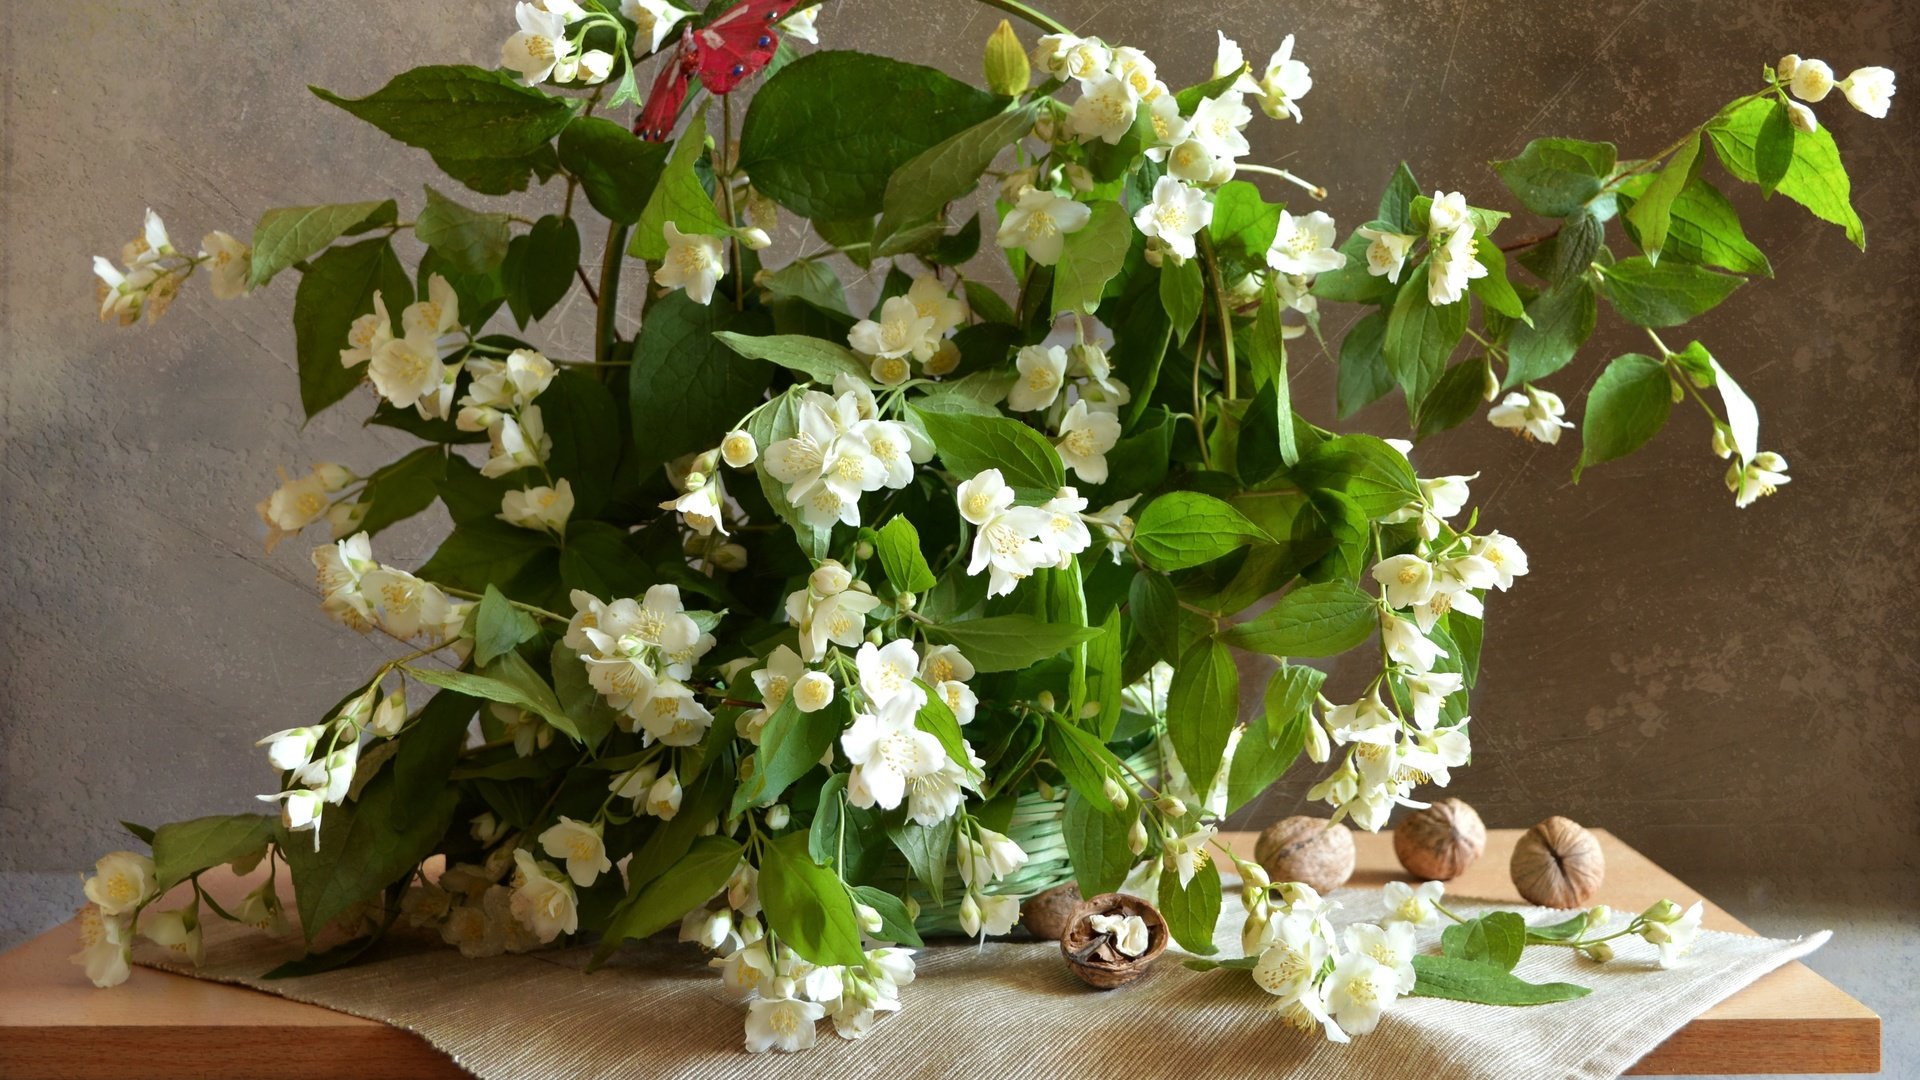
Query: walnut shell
(1045, 914)
(1309, 850)
(1440, 842)
(1558, 864)
(1091, 955)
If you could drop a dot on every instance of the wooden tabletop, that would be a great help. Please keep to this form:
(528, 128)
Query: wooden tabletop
(54, 1024)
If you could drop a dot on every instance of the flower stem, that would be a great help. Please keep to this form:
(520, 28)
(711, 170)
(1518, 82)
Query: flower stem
(604, 334)
(1033, 15)
(1226, 317)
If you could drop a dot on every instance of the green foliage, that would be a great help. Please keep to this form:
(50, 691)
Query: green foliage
(617, 170)
(807, 906)
(1555, 177)
(1007, 642)
(184, 848)
(898, 545)
(1275, 738)
(1488, 984)
(1181, 294)
(1563, 319)
(1185, 528)
(685, 383)
(1496, 938)
(1419, 336)
(1627, 406)
(679, 197)
(471, 242)
(1652, 215)
(1090, 258)
(1312, 620)
(1814, 177)
(1364, 469)
(1667, 294)
(1364, 377)
(1192, 912)
(539, 268)
(1702, 228)
(687, 884)
(1202, 707)
(816, 358)
(363, 848)
(791, 745)
(1096, 839)
(338, 288)
(499, 627)
(294, 234)
(944, 172)
(970, 445)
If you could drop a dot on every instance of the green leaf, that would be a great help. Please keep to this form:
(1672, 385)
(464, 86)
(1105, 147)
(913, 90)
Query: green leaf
(1420, 336)
(1469, 980)
(499, 627)
(1189, 98)
(1496, 938)
(703, 871)
(427, 752)
(1652, 214)
(481, 126)
(813, 357)
(363, 848)
(1397, 200)
(1364, 377)
(540, 267)
(1566, 930)
(1096, 842)
(1105, 678)
(471, 242)
(926, 851)
(339, 956)
(1365, 469)
(1313, 620)
(1664, 295)
(678, 197)
(1007, 642)
(184, 848)
(509, 681)
(1085, 761)
(1563, 319)
(1154, 609)
(482, 552)
(1181, 294)
(825, 135)
(790, 746)
(947, 171)
(937, 720)
(1582, 238)
(1555, 177)
(686, 386)
(1242, 228)
(1270, 419)
(338, 288)
(1454, 399)
(898, 544)
(1702, 228)
(1354, 283)
(1192, 912)
(1090, 257)
(970, 445)
(1274, 740)
(1203, 705)
(1185, 528)
(293, 234)
(403, 488)
(615, 168)
(1815, 179)
(1625, 408)
(1773, 149)
(807, 906)
(1494, 290)
(896, 925)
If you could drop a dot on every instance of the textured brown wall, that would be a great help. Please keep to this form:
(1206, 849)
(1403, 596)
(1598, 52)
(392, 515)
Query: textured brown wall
(1730, 690)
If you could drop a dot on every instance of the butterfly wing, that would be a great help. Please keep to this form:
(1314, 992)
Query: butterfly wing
(668, 94)
(739, 43)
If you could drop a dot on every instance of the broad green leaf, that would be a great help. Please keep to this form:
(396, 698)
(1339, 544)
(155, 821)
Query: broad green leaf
(1470, 980)
(1192, 912)
(1186, 528)
(1581, 240)
(945, 172)
(1189, 98)
(1085, 761)
(507, 681)
(790, 746)
(678, 198)
(1267, 440)
(816, 359)
(1625, 408)
(1496, 938)
(1563, 319)
(1773, 148)
(1397, 200)
(1494, 290)
(403, 488)
(1274, 740)
(616, 169)
(1090, 257)
(898, 545)
(1154, 610)
(1566, 930)
(815, 282)
(363, 848)
(970, 445)
(482, 127)
(1365, 469)
(540, 267)
(1313, 620)
(483, 552)
(896, 924)
(1454, 399)
(1097, 843)
(428, 749)
(686, 387)
(1242, 228)
(1181, 294)
(293, 234)
(1667, 294)
(1203, 705)
(1702, 228)
(925, 849)
(184, 848)
(703, 871)
(980, 392)
(338, 288)
(806, 905)
(825, 135)
(1105, 678)
(1007, 642)
(1815, 179)
(1555, 177)
(1364, 377)
(471, 241)
(499, 627)
(1652, 214)
(1353, 283)
(1420, 336)
(845, 836)
(937, 720)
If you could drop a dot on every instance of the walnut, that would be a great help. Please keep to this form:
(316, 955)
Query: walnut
(1309, 850)
(1440, 842)
(1045, 915)
(1094, 956)
(1558, 864)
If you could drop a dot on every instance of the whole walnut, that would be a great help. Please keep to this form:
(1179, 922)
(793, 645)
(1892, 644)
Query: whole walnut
(1558, 864)
(1309, 850)
(1046, 914)
(1440, 842)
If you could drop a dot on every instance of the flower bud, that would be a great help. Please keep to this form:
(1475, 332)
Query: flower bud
(696, 480)
(1047, 791)
(1802, 118)
(1722, 442)
(1785, 68)
(1079, 177)
(1090, 710)
(1172, 807)
(730, 557)
(970, 916)
(863, 549)
(333, 477)
(1598, 914)
(1115, 794)
(1015, 184)
(1137, 837)
(755, 239)
(1045, 700)
(913, 909)
(1492, 388)
(1812, 80)
(738, 449)
(869, 918)
(391, 715)
(1665, 911)
(906, 601)
(778, 815)
(1254, 934)
(1254, 876)
(1599, 953)
(1087, 358)
(945, 358)
(829, 579)
(1008, 72)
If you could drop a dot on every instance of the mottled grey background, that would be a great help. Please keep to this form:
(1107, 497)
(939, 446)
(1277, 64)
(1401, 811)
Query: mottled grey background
(1733, 692)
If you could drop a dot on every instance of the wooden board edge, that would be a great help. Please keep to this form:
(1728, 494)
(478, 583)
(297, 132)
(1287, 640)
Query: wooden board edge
(194, 1052)
(1705, 1046)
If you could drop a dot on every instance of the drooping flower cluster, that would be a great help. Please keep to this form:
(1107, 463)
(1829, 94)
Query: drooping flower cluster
(155, 270)
(842, 450)
(1010, 542)
(637, 653)
(911, 328)
(1868, 89)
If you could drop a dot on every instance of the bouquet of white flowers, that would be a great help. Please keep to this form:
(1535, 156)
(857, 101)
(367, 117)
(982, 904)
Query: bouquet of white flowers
(810, 627)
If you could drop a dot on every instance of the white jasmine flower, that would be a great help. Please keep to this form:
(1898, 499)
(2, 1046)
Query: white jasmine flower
(933, 797)
(539, 508)
(693, 262)
(579, 843)
(294, 505)
(106, 946)
(367, 334)
(887, 673)
(1674, 938)
(959, 699)
(290, 749)
(1428, 694)
(1812, 80)
(1386, 252)
(177, 930)
(1005, 542)
(987, 857)
(1504, 554)
(1042, 373)
(1085, 438)
(1116, 526)
(1448, 213)
(935, 301)
(1406, 645)
(1284, 83)
(839, 619)
(1460, 573)
(121, 882)
(1452, 265)
(707, 927)
(1290, 964)
(391, 715)
(595, 66)
(902, 329)
(407, 606)
(229, 261)
(1065, 531)
(945, 663)
(1406, 580)
(1435, 754)
(663, 801)
(1227, 59)
(813, 692)
(1169, 127)
(1536, 414)
(653, 20)
(540, 44)
(998, 915)
(543, 899)
(1218, 124)
(1802, 117)
(704, 505)
(782, 1022)
(1105, 110)
(1365, 721)
(1065, 56)
(1185, 855)
(1358, 991)
(886, 749)
(1870, 90)
(1038, 222)
(801, 25)
(408, 373)
(1757, 478)
(331, 776)
(635, 782)
(1392, 946)
(1176, 213)
(300, 810)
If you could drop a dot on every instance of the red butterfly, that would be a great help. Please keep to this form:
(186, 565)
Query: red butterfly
(723, 53)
